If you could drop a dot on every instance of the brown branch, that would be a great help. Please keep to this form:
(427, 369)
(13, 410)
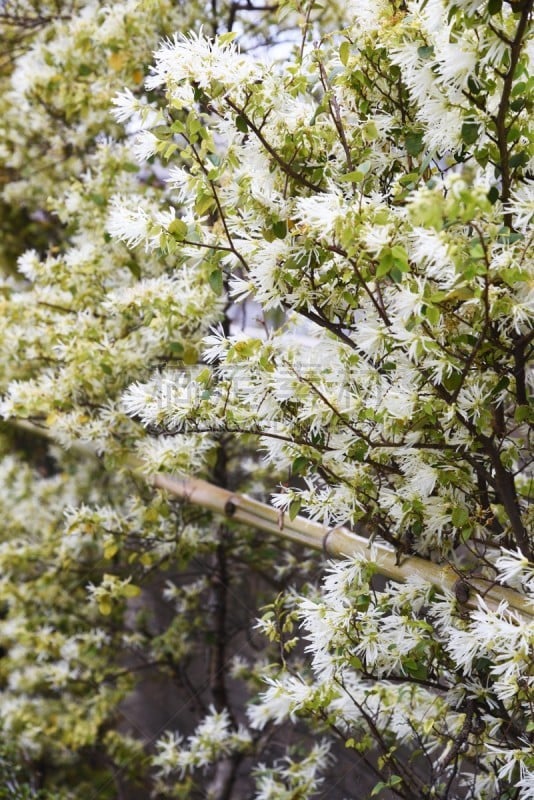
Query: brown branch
(335, 113)
(285, 167)
(500, 119)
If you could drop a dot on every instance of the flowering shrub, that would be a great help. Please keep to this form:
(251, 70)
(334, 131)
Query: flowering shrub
(302, 270)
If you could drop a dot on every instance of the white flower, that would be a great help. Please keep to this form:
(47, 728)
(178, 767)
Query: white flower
(368, 14)
(456, 61)
(521, 204)
(375, 237)
(409, 301)
(526, 783)
(473, 400)
(129, 225)
(145, 145)
(515, 569)
(126, 105)
(280, 701)
(399, 404)
(168, 752)
(430, 253)
(217, 345)
(321, 212)
(178, 59)
(28, 264)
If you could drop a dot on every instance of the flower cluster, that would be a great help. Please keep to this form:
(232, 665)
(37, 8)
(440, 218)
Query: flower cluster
(293, 255)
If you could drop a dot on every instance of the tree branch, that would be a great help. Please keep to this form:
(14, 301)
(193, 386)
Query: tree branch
(500, 119)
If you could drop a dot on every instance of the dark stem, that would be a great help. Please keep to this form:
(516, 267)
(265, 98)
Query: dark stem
(287, 168)
(502, 113)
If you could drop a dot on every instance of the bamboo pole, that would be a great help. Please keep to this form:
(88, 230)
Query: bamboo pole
(336, 542)
(339, 542)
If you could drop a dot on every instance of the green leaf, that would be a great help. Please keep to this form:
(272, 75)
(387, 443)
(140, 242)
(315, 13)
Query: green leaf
(169, 150)
(280, 229)
(216, 281)
(178, 229)
(378, 788)
(459, 516)
(370, 131)
(513, 134)
(414, 143)
(162, 132)
(104, 606)
(494, 6)
(425, 52)
(299, 465)
(362, 603)
(519, 160)
(433, 314)
(469, 132)
(522, 414)
(493, 195)
(110, 550)
(466, 533)
(400, 257)
(415, 669)
(385, 264)
(396, 274)
(518, 104)
(353, 177)
(475, 249)
(503, 383)
(344, 52)
(193, 124)
(358, 451)
(246, 348)
(203, 203)
(410, 179)
(241, 124)
(226, 38)
(190, 356)
(294, 508)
